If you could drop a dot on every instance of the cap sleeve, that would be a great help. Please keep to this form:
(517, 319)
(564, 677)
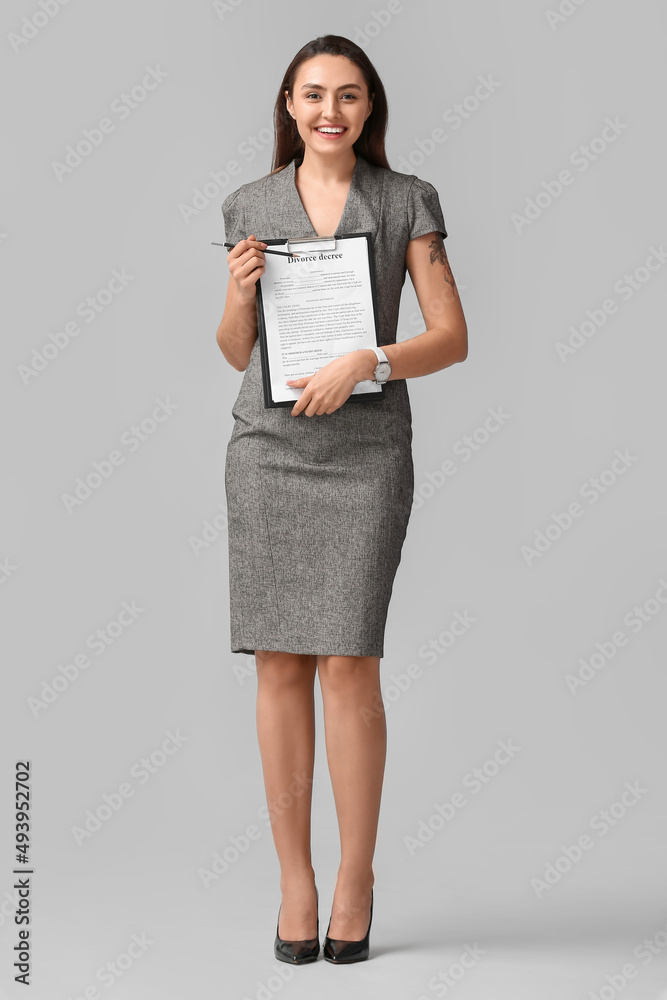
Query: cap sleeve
(233, 215)
(424, 211)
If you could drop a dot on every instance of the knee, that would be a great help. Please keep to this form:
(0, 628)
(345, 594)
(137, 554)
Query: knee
(283, 668)
(344, 672)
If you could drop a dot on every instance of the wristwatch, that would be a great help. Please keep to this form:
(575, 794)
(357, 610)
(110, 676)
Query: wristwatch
(383, 369)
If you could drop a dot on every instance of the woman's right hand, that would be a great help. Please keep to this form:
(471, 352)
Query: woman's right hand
(246, 265)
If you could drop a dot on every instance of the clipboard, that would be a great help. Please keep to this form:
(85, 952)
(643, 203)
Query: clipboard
(305, 244)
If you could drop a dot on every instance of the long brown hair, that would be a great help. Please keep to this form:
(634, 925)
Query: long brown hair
(289, 145)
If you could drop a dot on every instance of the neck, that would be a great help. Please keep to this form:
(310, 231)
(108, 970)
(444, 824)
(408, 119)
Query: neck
(327, 169)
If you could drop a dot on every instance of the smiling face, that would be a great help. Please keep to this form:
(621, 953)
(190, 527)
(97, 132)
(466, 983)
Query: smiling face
(329, 92)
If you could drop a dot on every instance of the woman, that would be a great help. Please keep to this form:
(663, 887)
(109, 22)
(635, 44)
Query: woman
(319, 495)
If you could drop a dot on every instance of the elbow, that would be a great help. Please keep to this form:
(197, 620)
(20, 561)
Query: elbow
(462, 352)
(226, 355)
(234, 363)
(456, 346)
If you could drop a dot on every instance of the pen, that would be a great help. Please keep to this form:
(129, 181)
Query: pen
(281, 253)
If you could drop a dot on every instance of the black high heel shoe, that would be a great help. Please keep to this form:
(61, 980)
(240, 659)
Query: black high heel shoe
(297, 952)
(343, 952)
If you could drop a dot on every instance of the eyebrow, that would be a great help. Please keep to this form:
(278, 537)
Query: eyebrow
(317, 86)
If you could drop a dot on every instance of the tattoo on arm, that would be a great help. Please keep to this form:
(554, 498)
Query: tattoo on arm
(439, 254)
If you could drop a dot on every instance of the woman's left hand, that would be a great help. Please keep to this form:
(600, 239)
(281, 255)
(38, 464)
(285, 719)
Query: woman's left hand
(331, 385)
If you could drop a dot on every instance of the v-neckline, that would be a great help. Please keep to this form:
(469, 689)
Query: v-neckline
(304, 213)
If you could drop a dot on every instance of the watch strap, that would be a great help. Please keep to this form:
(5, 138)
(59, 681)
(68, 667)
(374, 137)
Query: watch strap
(381, 356)
(382, 359)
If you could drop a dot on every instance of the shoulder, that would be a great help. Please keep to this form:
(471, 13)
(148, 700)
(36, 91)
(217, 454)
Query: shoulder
(411, 184)
(395, 181)
(235, 199)
(248, 192)
(401, 189)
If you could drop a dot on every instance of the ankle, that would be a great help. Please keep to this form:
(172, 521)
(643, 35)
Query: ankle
(297, 878)
(349, 878)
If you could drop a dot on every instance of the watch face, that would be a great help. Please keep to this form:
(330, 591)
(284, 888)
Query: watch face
(382, 372)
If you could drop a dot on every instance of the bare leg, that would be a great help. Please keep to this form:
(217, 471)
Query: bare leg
(286, 737)
(356, 742)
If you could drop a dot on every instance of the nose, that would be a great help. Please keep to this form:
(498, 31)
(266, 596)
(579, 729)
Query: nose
(332, 111)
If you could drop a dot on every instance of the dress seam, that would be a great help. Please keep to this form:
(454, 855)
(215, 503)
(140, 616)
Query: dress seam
(268, 535)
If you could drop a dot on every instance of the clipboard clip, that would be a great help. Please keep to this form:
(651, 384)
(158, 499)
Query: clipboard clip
(302, 244)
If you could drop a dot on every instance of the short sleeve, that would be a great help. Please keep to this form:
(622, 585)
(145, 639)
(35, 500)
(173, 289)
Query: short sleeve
(232, 213)
(424, 211)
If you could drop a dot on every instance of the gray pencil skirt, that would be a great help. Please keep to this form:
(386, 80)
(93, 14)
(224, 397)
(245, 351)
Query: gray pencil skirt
(317, 509)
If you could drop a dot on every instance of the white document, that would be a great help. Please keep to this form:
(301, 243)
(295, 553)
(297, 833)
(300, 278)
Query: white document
(316, 307)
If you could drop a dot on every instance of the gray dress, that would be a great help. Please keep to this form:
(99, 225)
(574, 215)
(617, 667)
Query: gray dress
(318, 507)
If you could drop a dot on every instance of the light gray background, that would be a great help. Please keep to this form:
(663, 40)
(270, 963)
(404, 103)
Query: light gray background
(67, 574)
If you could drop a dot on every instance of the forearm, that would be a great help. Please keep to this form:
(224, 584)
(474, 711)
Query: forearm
(424, 354)
(238, 331)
